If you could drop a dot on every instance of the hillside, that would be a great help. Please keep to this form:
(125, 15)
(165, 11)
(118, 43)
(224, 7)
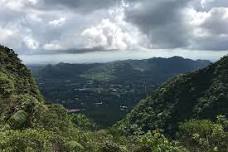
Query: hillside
(106, 92)
(27, 122)
(199, 95)
(18, 93)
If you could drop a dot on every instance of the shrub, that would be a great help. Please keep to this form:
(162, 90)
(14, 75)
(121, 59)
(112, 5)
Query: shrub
(6, 86)
(82, 121)
(29, 141)
(109, 146)
(156, 142)
(203, 135)
(18, 120)
(73, 146)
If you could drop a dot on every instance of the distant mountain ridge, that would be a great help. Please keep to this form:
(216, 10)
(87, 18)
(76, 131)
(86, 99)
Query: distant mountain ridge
(175, 64)
(115, 84)
(201, 95)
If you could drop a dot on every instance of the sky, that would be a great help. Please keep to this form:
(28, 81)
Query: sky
(107, 30)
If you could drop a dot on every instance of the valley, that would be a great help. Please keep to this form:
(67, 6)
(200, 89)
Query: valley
(107, 92)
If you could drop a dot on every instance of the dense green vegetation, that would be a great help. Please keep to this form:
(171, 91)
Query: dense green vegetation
(199, 95)
(106, 92)
(29, 124)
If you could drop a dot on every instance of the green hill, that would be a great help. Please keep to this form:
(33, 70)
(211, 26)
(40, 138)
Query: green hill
(19, 95)
(27, 123)
(199, 95)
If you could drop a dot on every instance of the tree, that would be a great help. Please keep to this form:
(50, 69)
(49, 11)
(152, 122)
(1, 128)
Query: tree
(156, 142)
(204, 136)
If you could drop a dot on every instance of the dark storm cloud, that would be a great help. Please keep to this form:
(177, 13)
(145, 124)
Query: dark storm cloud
(215, 43)
(162, 21)
(217, 23)
(167, 24)
(84, 6)
(215, 27)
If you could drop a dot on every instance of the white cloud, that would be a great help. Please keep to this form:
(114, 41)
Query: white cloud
(114, 32)
(108, 35)
(58, 22)
(194, 17)
(52, 46)
(31, 43)
(204, 3)
(5, 34)
(10, 37)
(17, 4)
(33, 17)
(209, 28)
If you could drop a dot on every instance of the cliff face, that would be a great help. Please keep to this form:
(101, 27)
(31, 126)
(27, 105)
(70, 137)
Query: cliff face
(201, 94)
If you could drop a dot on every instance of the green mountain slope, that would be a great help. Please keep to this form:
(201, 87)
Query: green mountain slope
(12, 70)
(201, 95)
(27, 123)
(18, 93)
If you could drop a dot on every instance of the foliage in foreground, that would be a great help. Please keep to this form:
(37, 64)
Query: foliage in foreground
(204, 135)
(193, 136)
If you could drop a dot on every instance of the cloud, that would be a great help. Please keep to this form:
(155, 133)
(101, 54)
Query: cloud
(5, 34)
(108, 35)
(209, 29)
(82, 6)
(190, 24)
(52, 46)
(31, 26)
(160, 20)
(114, 32)
(204, 3)
(209, 4)
(18, 5)
(217, 21)
(31, 43)
(109, 56)
(10, 37)
(58, 22)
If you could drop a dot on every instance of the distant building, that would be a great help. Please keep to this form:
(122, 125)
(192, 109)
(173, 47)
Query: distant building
(99, 103)
(123, 108)
(73, 110)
